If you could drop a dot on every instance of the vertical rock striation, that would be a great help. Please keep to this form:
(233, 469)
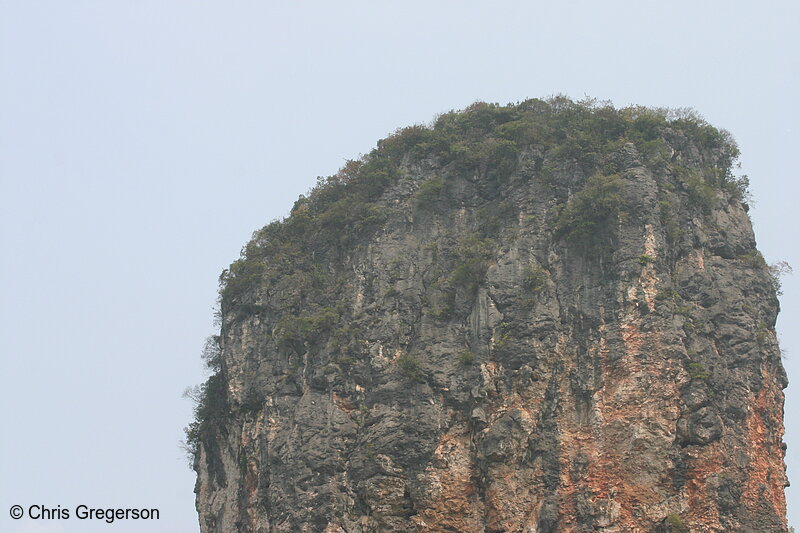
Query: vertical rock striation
(541, 317)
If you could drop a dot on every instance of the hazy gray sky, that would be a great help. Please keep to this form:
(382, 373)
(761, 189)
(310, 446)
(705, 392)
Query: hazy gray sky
(141, 143)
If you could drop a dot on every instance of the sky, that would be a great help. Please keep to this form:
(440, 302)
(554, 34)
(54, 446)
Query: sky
(142, 142)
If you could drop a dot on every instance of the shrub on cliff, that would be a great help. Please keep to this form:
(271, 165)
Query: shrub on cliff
(473, 257)
(591, 212)
(210, 399)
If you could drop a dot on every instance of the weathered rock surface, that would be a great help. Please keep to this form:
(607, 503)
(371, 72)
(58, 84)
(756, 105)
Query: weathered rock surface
(525, 340)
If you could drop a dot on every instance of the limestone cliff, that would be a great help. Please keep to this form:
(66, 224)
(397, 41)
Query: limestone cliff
(542, 317)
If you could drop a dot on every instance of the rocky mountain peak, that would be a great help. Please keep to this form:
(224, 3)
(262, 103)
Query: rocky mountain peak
(540, 317)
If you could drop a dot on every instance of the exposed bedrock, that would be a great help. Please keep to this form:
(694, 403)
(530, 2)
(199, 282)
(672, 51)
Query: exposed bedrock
(544, 317)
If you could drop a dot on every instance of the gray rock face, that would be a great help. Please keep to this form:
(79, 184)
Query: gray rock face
(513, 331)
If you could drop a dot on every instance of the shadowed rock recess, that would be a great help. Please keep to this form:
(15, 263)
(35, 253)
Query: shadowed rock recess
(543, 317)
